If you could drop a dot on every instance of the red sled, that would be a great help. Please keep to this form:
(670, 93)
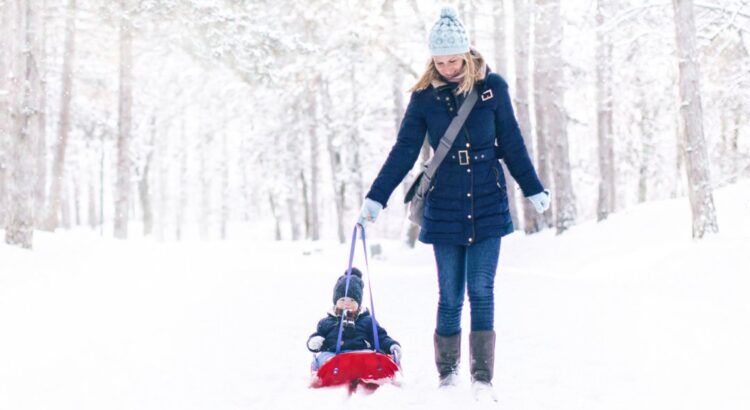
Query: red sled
(368, 370)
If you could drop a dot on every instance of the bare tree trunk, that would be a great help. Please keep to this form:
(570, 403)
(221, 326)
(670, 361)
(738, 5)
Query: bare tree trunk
(606, 201)
(4, 148)
(224, 186)
(293, 218)
(551, 64)
(144, 187)
(247, 187)
(466, 13)
(699, 180)
(501, 56)
(8, 57)
(305, 202)
(58, 163)
(291, 188)
(205, 181)
(647, 144)
(76, 199)
(293, 210)
(182, 186)
(314, 232)
(532, 222)
(92, 214)
(40, 189)
(541, 101)
(397, 91)
(19, 229)
(678, 188)
(122, 192)
(339, 185)
(734, 152)
(65, 205)
(355, 164)
(275, 213)
(101, 185)
(163, 161)
(501, 52)
(723, 131)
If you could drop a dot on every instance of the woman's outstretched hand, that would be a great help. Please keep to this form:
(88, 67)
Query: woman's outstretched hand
(541, 200)
(369, 212)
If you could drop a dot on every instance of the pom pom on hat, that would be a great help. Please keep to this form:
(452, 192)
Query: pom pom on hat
(449, 12)
(448, 35)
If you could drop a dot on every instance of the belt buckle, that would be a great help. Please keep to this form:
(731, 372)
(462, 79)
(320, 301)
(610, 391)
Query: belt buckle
(463, 157)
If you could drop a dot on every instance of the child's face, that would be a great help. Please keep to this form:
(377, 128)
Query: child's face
(347, 303)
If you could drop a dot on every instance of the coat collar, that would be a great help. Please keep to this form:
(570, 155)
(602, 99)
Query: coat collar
(362, 312)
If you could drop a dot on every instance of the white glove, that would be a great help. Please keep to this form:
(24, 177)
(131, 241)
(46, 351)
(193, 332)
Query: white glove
(369, 212)
(541, 200)
(315, 343)
(396, 352)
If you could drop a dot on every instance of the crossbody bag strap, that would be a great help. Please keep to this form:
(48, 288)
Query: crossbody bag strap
(447, 141)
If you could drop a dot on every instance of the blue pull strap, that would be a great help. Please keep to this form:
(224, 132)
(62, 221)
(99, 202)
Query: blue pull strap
(369, 285)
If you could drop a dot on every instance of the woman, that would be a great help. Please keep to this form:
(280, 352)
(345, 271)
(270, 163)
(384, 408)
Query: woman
(466, 211)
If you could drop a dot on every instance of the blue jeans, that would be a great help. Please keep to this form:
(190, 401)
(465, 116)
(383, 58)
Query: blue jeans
(321, 358)
(461, 267)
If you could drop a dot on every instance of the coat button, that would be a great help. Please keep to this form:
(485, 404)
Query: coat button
(471, 239)
(446, 98)
(469, 195)
(468, 216)
(468, 145)
(468, 170)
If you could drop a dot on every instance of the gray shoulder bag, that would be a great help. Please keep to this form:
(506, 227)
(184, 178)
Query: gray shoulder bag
(415, 196)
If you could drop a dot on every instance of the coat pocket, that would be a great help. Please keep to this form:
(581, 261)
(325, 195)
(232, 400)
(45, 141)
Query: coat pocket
(499, 179)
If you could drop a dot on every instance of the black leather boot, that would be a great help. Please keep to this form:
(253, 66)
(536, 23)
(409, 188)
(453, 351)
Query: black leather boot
(447, 357)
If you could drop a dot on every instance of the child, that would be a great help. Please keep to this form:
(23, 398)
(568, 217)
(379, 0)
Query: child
(357, 333)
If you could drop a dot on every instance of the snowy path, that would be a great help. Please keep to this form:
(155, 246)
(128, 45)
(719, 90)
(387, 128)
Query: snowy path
(603, 318)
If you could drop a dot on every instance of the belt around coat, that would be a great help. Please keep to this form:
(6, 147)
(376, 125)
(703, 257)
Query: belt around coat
(465, 156)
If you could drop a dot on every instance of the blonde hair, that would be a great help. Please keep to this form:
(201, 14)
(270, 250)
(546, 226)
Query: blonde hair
(471, 72)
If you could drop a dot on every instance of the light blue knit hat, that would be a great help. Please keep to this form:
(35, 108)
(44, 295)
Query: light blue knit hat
(448, 35)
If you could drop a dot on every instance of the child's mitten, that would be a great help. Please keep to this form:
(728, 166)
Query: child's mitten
(315, 343)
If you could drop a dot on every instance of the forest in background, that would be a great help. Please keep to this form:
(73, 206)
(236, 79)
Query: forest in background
(193, 118)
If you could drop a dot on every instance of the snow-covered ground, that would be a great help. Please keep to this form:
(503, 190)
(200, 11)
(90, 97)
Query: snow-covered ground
(625, 314)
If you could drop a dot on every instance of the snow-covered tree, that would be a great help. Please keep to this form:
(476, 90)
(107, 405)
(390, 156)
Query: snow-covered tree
(604, 97)
(19, 228)
(66, 97)
(691, 110)
(555, 120)
(532, 222)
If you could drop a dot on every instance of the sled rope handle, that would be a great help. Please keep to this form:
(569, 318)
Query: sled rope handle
(346, 290)
(369, 286)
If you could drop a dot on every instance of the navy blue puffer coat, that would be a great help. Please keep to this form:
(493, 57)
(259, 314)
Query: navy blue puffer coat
(467, 201)
(358, 337)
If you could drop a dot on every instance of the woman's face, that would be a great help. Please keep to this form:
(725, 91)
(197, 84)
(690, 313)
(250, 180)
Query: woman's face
(449, 66)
